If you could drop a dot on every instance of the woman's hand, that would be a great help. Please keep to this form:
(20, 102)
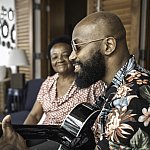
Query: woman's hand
(11, 140)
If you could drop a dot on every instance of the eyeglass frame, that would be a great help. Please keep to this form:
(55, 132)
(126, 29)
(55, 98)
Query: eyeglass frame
(73, 44)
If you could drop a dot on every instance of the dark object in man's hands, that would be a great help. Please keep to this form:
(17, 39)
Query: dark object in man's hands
(84, 141)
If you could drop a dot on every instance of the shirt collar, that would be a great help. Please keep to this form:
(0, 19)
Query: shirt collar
(118, 78)
(131, 64)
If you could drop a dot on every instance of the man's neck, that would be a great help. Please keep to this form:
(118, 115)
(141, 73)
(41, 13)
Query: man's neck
(113, 68)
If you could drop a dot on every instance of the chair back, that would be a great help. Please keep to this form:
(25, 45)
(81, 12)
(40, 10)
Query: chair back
(31, 91)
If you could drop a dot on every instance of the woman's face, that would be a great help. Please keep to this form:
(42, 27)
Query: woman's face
(60, 58)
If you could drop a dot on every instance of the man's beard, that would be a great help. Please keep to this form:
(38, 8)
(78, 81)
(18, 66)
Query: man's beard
(91, 71)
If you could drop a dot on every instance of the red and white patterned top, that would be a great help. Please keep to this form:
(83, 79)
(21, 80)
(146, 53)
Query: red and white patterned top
(57, 108)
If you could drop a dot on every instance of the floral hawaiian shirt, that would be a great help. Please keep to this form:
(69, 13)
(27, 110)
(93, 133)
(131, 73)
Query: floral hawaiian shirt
(124, 122)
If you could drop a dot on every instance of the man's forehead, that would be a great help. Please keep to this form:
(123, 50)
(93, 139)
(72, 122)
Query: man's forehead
(85, 32)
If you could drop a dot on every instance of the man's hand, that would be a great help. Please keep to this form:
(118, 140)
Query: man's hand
(11, 140)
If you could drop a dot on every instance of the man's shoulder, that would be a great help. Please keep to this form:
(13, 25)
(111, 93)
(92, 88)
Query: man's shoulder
(138, 76)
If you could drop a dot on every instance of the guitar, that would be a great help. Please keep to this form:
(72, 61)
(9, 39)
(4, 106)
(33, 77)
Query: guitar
(81, 119)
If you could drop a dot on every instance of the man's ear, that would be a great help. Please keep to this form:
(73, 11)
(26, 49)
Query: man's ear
(110, 45)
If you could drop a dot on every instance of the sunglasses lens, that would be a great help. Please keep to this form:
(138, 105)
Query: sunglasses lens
(73, 46)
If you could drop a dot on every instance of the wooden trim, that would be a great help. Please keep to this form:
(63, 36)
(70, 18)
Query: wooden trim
(91, 6)
(24, 29)
(31, 38)
(44, 38)
(147, 43)
(135, 27)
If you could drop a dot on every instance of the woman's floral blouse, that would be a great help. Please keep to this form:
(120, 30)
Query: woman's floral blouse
(125, 119)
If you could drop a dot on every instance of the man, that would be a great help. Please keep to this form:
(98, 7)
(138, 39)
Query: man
(100, 52)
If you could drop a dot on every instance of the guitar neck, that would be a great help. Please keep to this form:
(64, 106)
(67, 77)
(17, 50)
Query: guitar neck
(51, 132)
(81, 118)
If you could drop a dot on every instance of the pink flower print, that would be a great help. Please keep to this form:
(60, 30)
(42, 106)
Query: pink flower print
(122, 91)
(136, 75)
(145, 117)
(116, 124)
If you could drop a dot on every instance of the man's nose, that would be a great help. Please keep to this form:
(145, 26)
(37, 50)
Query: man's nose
(72, 56)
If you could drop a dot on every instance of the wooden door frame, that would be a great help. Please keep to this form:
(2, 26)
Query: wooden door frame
(44, 38)
(147, 37)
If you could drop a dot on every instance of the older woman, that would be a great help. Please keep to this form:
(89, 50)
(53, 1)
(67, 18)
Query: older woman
(59, 94)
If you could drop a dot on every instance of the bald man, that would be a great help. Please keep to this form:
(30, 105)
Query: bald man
(100, 52)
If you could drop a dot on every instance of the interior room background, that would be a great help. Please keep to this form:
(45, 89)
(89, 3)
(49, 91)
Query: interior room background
(38, 21)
